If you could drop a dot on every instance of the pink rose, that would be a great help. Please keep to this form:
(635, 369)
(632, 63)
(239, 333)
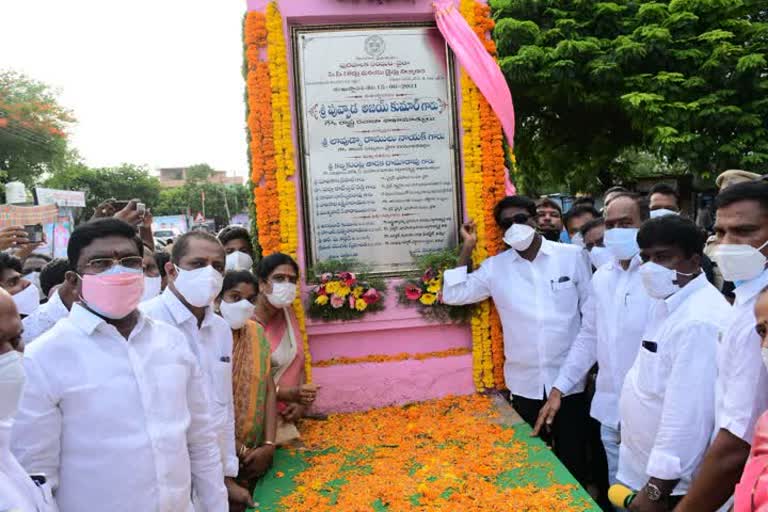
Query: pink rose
(372, 296)
(412, 292)
(326, 277)
(351, 301)
(336, 301)
(348, 278)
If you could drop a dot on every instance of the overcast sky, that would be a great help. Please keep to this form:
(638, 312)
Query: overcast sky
(155, 82)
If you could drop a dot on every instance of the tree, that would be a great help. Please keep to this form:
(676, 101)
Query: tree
(124, 182)
(199, 172)
(32, 129)
(221, 201)
(683, 79)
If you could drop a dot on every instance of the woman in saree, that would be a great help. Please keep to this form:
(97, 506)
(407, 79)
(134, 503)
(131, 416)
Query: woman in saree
(252, 384)
(277, 276)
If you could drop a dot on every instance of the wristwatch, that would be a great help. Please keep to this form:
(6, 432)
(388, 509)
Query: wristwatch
(653, 492)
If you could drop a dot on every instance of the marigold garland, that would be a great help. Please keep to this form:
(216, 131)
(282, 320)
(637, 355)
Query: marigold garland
(388, 358)
(483, 188)
(270, 126)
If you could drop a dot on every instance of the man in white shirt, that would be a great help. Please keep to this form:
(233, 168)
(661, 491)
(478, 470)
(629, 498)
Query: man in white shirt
(114, 410)
(741, 227)
(615, 317)
(17, 490)
(539, 288)
(195, 276)
(24, 293)
(59, 303)
(667, 402)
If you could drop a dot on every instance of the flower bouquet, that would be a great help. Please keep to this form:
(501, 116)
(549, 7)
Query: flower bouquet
(425, 291)
(340, 294)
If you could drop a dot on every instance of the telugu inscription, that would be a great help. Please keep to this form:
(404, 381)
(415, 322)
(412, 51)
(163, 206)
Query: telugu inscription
(378, 142)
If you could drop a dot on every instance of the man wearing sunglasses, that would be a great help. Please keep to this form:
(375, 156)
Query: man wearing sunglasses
(114, 411)
(539, 288)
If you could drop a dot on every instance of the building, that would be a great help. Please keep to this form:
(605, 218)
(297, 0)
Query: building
(177, 176)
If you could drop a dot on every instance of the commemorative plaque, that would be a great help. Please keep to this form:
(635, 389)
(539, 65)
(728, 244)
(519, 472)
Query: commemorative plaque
(378, 143)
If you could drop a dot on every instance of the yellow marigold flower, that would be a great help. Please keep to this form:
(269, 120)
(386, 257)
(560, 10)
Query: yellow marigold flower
(360, 305)
(357, 292)
(343, 290)
(428, 299)
(321, 300)
(332, 287)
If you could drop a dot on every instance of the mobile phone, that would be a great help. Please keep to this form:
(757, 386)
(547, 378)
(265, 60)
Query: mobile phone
(119, 205)
(141, 208)
(34, 233)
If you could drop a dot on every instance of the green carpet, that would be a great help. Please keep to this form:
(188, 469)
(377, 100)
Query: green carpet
(542, 469)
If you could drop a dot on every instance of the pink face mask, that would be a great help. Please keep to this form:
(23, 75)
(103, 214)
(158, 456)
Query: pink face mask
(113, 294)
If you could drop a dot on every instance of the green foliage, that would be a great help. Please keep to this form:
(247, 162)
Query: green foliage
(124, 182)
(430, 268)
(684, 80)
(173, 201)
(199, 172)
(32, 124)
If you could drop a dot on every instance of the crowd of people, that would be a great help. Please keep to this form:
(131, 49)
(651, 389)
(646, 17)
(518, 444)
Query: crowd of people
(141, 379)
(150, 380)
(633, 297)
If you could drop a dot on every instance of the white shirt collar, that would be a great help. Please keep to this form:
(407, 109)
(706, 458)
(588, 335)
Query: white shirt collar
(747, 291)
(56, 306)
(547, 248)
(89, 322)
(677, 298)
(180, 312)
(635, 262)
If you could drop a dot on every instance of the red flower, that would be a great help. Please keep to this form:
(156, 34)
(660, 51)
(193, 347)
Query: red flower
(429, 275)
(321, 290)
(372, 296)
(412, 292)
(348, 278)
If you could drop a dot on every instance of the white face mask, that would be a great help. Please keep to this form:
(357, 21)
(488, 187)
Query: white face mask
(283, 294)
(27, 300)
(659, 281)
(578, 240)
(152, 287)
(237, 313)
(34, 278)
(519, 236)
(200, 286)
(622, 242)
(239, 261)
(764, 351)
(740, 262)
(661, 212)
(599, 256)
(12, 378)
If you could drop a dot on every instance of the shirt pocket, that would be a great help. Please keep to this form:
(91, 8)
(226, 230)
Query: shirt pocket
(648, 371)
(566, 296)
(222, 382)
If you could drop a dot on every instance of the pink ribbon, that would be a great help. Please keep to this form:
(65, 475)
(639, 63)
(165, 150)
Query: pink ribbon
(480, 66)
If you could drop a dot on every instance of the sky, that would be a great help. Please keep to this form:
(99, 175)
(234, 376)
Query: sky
(153, 82)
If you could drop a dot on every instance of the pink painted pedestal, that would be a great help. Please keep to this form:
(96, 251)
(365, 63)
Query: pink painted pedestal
(397, 329)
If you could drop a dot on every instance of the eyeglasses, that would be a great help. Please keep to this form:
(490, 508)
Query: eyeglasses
(100, 265)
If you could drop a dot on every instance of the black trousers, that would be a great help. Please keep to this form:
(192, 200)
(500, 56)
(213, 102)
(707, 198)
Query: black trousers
(569, 433)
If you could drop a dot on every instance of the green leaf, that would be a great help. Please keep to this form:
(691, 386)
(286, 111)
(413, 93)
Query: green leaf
(751, 62)
(715, 35)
